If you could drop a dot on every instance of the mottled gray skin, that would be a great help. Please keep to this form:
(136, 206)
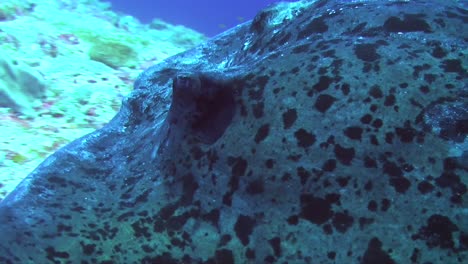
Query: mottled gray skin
(329, 132)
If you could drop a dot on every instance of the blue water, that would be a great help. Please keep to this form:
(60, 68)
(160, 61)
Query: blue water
(209, 17)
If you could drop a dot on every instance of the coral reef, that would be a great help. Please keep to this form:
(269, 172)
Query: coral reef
(51, 91)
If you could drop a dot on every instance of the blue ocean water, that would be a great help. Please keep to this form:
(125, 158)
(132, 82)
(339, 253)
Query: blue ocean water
(209, 17)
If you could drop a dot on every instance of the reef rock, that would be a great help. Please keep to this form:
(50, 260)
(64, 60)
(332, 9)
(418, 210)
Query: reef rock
(20, 85)
(320, 132)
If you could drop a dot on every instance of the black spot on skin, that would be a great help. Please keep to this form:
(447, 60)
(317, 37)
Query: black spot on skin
(315, 210)
(374, 254)
(450, 164)
(256, 93)
(323, 84)
(243, 228)
(425, 187)
(143, 197)
(275, 243)
(262, 133)
(366, 52)
(406, 134)
(453, 66)
(304, 138)
(411, 23)
(366, 119)
(389, 137)
(368, 186)
(212, 217)
(389, 100)
(372, 206)
(419, 68)
(400, 183)
(88, 249)
(329, 165)
(63, 228)
(289, 117)
(327, 229)
(359, 28)
(370, 162)
(257, 110)
(438, 232)
(430, 78)
(238, 166)
(342, 222)
(376, 92)
(295, 70)
(227, 198)
(392, 169)
(255, 187)
(286, 177)
(324, 102)
(344, 155)
(322, 70)
(424, 89)
(269, 163)
(463, 241)
(225, 239)
(317, 25)
(284, 38)
(333, 198)
(164, 258)
(54, 255)
(124, 216)
(353, 132)
(140, 230)
(385, 205)
(449, 179)
(377, 123)
(301, 49)
(438, 52)
(303, 174)
(345, 89)
(250, 253)
(269, 259)
(189, 186)
(330, 54)
(196, 153)
(294, 158)
(343, 181)
(147, 248)
(293, 220)
(224, 256)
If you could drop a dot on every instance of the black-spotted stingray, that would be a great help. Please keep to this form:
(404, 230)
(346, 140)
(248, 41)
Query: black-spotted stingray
(320, 132)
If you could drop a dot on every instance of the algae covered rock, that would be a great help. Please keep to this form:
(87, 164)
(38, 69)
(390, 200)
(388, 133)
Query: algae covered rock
(113, 53)
(312, 134)
(20, 85)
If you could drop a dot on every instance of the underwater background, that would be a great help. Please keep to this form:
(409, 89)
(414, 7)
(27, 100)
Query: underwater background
(206, 16)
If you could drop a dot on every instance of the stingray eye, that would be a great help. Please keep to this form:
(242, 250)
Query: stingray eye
(206, 106)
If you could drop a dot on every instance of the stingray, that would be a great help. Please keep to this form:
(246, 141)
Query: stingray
(319, 132)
